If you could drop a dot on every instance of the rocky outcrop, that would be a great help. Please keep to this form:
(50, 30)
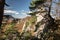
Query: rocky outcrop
(25, 25)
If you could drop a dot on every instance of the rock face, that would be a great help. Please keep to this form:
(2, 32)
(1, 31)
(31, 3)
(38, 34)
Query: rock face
(25, 25)
(39, 17)
(47, 26)
(40, 20)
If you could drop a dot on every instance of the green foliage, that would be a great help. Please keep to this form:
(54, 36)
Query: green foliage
(35, 3)
(10, 33)
(10, 28)
(27, 23)
(33, 20)
(32, 14)
(26, 36)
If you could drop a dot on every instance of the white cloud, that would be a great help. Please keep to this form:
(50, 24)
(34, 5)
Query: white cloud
(15, 14)
(11, 12)
(23, 11)
(30, 12)
(22, 14)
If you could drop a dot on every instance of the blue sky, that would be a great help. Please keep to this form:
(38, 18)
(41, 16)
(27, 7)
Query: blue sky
(20, 6)
(54, 7)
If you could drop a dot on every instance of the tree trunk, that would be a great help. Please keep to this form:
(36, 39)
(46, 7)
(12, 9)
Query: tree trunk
(1, 10)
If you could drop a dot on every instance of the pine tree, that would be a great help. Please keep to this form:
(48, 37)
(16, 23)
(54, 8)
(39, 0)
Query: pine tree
(1, 10)
(50, 24)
